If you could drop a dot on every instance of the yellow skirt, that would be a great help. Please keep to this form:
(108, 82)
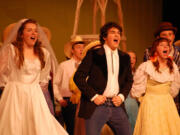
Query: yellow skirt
(157, 113)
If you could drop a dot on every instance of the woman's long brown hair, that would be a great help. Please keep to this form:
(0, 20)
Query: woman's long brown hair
(19, 46)
(153, 50)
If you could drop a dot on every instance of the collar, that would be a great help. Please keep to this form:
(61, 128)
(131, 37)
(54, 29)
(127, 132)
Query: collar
(108, 50)
(75, 61)
(172, 51)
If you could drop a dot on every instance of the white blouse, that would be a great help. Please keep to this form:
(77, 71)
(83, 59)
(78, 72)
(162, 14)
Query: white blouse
(147, 69)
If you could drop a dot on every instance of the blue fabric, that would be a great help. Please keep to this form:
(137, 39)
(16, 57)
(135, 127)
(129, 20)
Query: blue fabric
(131, 106)
(68, 114)
(177, 47)
(49, 101)
(115, 117)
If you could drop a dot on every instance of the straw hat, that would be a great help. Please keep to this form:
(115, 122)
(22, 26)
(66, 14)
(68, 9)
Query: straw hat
(177, 43)
(68, 46)
(165, 26)
(8, 29)
(94, 44)
(47, 32)
(1, 44)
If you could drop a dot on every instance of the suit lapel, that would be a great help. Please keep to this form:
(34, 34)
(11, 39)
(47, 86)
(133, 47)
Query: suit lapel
(101, 61)
(121, 66)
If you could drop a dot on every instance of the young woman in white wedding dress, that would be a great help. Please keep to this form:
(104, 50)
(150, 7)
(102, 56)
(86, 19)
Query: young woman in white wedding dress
(25, 65)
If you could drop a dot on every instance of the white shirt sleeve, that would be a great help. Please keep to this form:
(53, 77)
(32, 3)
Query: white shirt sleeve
(140, 81)
(56, 83)
(121, 96)
(175, 86)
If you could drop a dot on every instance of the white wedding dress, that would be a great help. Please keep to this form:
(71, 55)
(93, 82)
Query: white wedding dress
(23, 108)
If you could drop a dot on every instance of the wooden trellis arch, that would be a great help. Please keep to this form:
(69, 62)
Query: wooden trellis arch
(99, 4)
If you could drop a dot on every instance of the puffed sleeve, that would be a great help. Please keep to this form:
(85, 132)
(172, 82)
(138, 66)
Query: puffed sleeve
(58, 79)
(140, 81)
(175, 86)
(45, 72)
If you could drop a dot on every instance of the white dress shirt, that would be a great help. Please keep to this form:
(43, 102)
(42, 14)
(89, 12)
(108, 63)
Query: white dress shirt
(112, 87)
(65, 71)
(112, 59)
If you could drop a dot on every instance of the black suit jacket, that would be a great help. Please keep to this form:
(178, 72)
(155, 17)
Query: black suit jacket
(91, 78)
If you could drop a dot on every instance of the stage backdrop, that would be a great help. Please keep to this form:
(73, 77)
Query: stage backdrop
(141, 17)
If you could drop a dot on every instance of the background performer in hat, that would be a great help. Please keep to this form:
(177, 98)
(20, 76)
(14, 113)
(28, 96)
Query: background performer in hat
(73, 50)
(167, 30)
(131, 104)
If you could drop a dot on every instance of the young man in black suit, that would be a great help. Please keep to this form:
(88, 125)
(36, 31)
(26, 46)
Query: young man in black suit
(105, 78)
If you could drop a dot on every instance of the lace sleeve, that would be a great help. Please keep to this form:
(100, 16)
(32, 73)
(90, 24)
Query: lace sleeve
(57, 82)
(140, 81)
(5, 57)
(176, 82)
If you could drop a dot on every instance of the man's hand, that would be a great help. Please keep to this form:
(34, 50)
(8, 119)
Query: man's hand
(100, 99)
(117, 101)
(63, 103)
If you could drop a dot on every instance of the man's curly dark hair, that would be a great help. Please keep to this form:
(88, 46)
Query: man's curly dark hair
(104, 29)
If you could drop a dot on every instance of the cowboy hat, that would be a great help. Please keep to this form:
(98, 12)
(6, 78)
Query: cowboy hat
(177, 43)
(9, 28)
(7, 31)
(165, 26)
(47, 32)
(68, 46)
(94, 44)
(1, 44)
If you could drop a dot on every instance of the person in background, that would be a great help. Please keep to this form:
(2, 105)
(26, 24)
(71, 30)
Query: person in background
(156, 82)
(131, 104)
(133, 59)
(73, 50)
(177, 44)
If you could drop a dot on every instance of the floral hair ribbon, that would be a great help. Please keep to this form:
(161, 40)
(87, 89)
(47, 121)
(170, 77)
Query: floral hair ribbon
(170, 57)
(153, 58)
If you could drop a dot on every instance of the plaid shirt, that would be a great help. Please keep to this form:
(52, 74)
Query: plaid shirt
(176, 58)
